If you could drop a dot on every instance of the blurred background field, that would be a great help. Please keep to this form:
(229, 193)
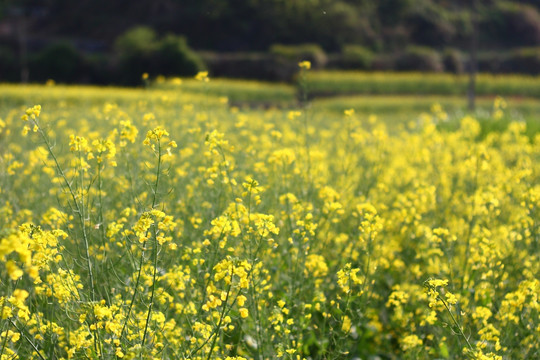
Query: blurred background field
(346, 82)
(395, 108)
(251, 49)
(87, 42)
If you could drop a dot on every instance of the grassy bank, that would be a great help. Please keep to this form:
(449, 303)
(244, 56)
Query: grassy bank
(332, 83)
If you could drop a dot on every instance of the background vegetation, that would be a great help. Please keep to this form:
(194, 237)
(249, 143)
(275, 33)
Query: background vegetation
(261, 39)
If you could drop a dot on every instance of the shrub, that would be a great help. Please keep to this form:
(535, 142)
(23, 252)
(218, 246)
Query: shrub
(59, 61)
(134, 49)
(520, 60)
(490, 62)
(524, 60)
(174, 57)
(135, 41)
(295, 53)
(286, 58)
(430, 25)
(140, 51)
(98, 68)
(339, 24)
(453, 61)
(420, 59)
(357, 57)
(242, 65)
(512, 24)
(384, 62)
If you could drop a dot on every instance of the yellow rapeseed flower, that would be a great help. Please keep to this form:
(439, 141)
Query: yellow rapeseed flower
(305, 65)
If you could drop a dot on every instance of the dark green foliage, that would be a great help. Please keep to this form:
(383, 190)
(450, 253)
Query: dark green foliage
(310, 52)
(519, 60)
(392, 11)
(430, 25)
(357, 57)
(491, 61)
(248, 28)
(135, 50)
(511, 24)
(454, 61)
(141, 40)
(174, 57)
(416, 58)
(287, 57)
(8, 65)
(243, 65)
(140, 51)
(59, 61)
(525, 60)
(253, 25)
(98, 68)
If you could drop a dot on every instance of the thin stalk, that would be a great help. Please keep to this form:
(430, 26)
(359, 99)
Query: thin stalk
(4, 326)
(102, 225)
(78, 209)
(154, 199)
(100, 213)
(152, 291)
(455, 322)
(134, 292)
(141, 260)
(252, 288)
(28, 340)
(83, 223)
(214, 332)
(221, 317)
(5, 339)
(155, 252)
(98, 345)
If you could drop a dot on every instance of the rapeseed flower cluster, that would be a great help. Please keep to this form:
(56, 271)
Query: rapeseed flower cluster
(229, 233)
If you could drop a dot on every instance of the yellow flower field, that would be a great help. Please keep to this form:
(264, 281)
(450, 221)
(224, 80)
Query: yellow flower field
(161, 224)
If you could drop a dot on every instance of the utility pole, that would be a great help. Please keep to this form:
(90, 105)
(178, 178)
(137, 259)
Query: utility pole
(473, 61)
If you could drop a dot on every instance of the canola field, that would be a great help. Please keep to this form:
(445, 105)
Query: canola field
(167, 224)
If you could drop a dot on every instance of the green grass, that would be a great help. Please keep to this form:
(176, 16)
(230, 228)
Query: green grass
(237, 91)
(400, 110)
(326, 83)
(392, 104)
(19, 95)
(447, 88)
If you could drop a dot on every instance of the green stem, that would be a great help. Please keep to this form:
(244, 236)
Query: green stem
(155, 252)
(78, 209)
(455, 321)
(134, 292)
(4, 326)
(221, 317)
(141, 260)
(214, 332)
(27, 339)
